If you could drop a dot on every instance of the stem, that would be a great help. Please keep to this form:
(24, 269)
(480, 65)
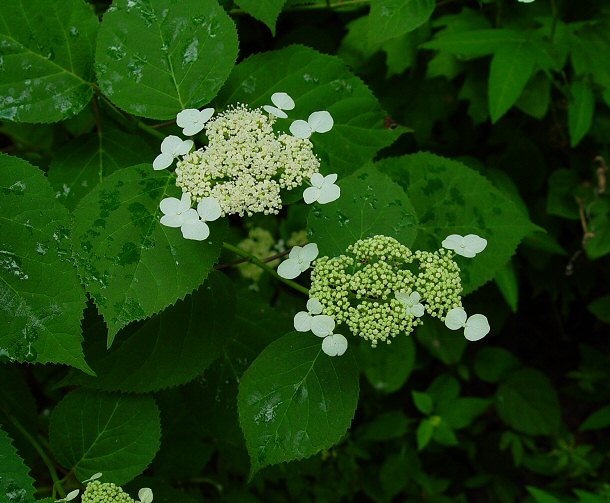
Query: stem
(43, 455)
(265, 267)
(555, 17)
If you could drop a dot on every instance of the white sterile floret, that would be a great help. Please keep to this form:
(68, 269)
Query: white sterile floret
(192, 121)
(176, 211)
(318, 122)
(466, 246)
(302, 320)
(525, 1)
(323, 189)
(334, 345)
(146, 495)
(299, 260)
(413, 306)
(475, 327)
(195, 226)
(322, 325)
(71, 495)
(282, 101)
(93, 477)
(171, 147)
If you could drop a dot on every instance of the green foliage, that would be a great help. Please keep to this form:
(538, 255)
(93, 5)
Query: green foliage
(388, 367)
(15, 481)
(46, 54)
(117, 435)
(392, 18)
(266, 11)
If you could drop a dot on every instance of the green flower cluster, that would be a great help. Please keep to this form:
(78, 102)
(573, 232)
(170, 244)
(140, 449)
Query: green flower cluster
(260, 243)
(359, 288)
(98, 492)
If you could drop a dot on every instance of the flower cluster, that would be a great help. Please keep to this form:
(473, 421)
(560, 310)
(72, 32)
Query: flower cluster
(379, 289)
(104, 492)
(246, 163)
(260, 243)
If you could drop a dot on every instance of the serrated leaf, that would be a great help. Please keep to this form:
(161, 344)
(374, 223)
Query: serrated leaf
(15, 481)
(527, 402)
(474, 43)
(393, 18)
(370, 204)
(450, 198)
(580, 111)
(84, 162)
(41, 299)
(154, 58)
(132, 265)
(266, 11)
(511, 67)
(388, 367)
(117, 435)
(294, 400)
(170, 349)
(46, 56)
(316, 82)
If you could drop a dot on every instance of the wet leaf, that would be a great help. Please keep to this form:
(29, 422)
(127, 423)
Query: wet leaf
(16, 485)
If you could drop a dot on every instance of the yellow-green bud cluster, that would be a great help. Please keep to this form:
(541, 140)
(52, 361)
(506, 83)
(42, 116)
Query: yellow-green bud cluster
(98, 492)
(359, 288)
(259, 243)
(246, 163)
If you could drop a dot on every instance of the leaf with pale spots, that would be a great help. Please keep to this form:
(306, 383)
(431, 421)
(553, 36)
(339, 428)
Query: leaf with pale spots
(316, 82)
(133, 266)
(41, 299)
(154, 59)
(15, 481)
(370, 204)
(451, 198)
(46, 59)
(295, 401)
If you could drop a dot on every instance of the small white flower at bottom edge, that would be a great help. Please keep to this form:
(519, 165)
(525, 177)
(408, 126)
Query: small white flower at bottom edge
(146, 495)
(334, 345)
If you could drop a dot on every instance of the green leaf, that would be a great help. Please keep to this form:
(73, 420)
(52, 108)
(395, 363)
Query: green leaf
(41, 297)
(393, 18)
(527, 402)
(443, 344)
(508, 283)
(536, 96)
(580, 111)
(46, 56)
(117, 435)
(131, 265)
(388, 366)
(424, 433)
(423, 402)
(294, 400)
(15, 482)
(600, 307)
(541, 496)
(511, 68)
(84, 162)
(387, 426)
(316, 82)
(598, 420)
(450, 198)
(169, 349)
(370, 204)
(598, 243)
(493, 364)
(461, 412)
(154, 58)
(474, 43)
(266, 11)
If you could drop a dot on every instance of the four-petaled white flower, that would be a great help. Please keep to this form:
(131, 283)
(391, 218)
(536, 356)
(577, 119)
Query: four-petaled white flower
(320, 324)
(475, 327)
(145, 495)
(318, 122)
(282, 101)
(334, 345)
(71, 495)
(195, 226)
(176, 211)
(411, 302)
(192, 120)
(299, 260)
(171, 147)
(323, 189)
(467, 246)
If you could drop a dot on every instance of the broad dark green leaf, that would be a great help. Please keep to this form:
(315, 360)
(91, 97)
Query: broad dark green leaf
(541, 496)
(41, 300)
(16, 485)
(492, 364)
(117, 435)
(294, 400)
(450, 198)
(580, 111)
(46, 59)
(387, 426)
(132, 266)
(598, 420)
(423, 402)
(84, 162)
(474, 43)
(388, 366)
(600, 307)
(266, 11)
(461, 412)
(155, 58)
(316, 82)
(511, 67)
(536, 96)
(527, 402)
(446, 345)
(393, 18)
(370, 204)
(169, 349)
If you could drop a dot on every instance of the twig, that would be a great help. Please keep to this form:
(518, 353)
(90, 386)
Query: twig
(242, 260)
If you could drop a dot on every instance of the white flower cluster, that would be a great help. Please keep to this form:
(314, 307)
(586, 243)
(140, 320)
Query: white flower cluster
(245, 165)
(321, 325)
(98, 492)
